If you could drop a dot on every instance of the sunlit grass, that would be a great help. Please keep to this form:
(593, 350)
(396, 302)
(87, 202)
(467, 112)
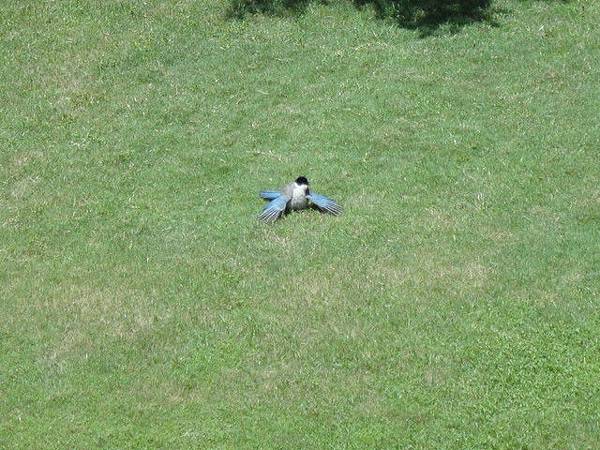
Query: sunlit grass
(454, 304)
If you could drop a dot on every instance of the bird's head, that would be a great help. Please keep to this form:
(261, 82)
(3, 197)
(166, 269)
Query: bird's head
(301, 181)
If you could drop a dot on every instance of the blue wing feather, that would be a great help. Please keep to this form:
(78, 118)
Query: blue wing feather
(274, 209)
(324, 204)
(270, 195)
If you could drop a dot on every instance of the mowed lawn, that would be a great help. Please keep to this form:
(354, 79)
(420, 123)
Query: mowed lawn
(455, 304)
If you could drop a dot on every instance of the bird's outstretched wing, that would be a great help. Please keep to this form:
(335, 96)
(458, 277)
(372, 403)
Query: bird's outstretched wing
(324, 204)
(270, 195)
(274, 209)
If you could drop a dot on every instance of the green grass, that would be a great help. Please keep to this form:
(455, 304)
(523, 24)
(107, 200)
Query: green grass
(453, 305)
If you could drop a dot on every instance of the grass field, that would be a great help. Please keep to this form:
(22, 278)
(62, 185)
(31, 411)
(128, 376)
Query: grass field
(453, 305)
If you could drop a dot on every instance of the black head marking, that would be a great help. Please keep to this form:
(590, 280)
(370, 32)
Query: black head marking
(302, 181)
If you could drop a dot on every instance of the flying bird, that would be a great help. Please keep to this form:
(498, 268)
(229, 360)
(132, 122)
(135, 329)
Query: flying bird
(293, 197)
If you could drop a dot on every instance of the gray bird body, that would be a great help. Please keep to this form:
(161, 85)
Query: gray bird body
(295, 196)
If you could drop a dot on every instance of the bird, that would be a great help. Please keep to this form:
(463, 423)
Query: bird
(295, 196)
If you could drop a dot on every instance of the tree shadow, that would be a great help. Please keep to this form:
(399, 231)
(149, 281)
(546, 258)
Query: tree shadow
(238, 9)
(428, 17)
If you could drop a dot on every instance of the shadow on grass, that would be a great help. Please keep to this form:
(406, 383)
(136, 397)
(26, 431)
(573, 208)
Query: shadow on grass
(425, 16)
(429, 16)
(238, 9)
